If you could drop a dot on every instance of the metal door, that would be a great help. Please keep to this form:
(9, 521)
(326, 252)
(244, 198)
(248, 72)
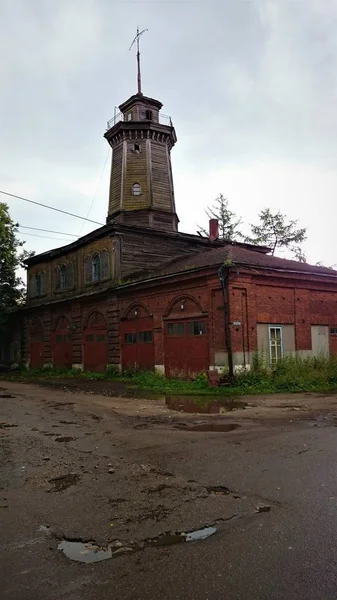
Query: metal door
(36, 360)
(186, 347)
(63, 349)
(137, 344)
(95, 343)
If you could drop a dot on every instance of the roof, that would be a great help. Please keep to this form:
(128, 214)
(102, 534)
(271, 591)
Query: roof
(120, 228)
(238, 255)
(139, 98)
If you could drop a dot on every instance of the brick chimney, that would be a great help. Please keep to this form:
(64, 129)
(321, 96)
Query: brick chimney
(213, 229)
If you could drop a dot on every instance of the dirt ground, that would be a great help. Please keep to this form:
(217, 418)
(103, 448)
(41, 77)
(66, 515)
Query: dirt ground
(125, 474)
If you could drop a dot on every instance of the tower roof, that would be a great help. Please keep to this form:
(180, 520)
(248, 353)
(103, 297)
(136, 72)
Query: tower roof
(139, 98)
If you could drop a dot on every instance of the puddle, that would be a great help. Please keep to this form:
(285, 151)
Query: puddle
(64, 438)
(89, 552)
(202, 404)
(215, 427)
(62, 482)
(7, 396)
(86, 552)
(168, 539)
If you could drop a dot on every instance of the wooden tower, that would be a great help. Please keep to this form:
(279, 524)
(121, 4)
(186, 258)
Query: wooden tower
(141, 184)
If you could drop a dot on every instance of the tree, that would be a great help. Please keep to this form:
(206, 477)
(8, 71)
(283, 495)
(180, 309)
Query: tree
(12, 255)
(274, 231)
(228, 221)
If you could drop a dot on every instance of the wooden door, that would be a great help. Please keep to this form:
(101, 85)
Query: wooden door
(137, 343)
(95, 343)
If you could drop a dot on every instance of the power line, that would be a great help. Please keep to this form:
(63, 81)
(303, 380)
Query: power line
(97, 188)
(50, 207)
(47, 237)
(47, 230)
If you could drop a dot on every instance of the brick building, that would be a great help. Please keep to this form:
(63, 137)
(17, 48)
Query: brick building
(138, 293)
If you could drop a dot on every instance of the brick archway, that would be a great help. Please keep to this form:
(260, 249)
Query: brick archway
(36, 334)
(95, 342)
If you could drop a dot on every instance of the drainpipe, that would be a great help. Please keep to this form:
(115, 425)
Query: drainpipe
(224, 279)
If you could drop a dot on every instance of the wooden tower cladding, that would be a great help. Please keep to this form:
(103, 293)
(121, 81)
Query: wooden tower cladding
(141, 184)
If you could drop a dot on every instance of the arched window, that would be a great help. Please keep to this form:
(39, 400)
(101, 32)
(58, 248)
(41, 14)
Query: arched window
(38, 284)
(136, 189)
(63, 277)
(43, 282)
(70, 275)
(96, 267)
(105, 264)
(88, 269)
(57, 278)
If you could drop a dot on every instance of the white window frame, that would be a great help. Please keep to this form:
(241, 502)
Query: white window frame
(136, 191)
(270, 327)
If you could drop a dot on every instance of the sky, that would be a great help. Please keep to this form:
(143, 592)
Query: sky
(251, 88)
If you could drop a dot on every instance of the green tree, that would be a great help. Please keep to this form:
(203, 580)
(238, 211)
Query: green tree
(229, 223)
(275, 231)
(12, 289)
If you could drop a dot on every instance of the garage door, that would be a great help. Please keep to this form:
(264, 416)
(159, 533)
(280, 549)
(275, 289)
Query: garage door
(186, 348)
(36, 344)
(62, 346)
(95, 343)
(137, 344)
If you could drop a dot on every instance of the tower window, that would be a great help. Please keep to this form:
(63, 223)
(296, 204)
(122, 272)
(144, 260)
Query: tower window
(136, 148)
(129, 116)
(148, 115)
(136, 189)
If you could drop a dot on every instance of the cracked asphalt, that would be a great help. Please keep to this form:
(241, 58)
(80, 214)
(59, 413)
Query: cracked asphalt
(129, 475)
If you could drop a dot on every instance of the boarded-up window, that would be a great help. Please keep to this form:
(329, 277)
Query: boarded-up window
(105, 264)
(38, 284)
(43, 282)
(88, 269)
(57, 276)
(32, 286)
(70, 275)
(63, 277)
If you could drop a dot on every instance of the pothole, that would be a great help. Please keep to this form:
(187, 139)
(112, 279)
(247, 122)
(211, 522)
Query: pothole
(62, 482)
(5, 425)
(7, 396)
(219, 490)
(89, 552)
(64, 438)
(215, 427)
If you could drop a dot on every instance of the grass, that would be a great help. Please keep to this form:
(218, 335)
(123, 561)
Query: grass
(291, 374)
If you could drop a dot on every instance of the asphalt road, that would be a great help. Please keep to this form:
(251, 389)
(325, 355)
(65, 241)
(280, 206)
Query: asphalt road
(80, 467)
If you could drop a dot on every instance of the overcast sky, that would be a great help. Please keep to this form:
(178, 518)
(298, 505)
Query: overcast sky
(251, 88)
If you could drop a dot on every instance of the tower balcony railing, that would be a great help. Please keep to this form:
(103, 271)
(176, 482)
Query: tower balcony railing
(162, 119)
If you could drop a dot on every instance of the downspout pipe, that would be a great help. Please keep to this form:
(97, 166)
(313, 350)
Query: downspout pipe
(224, 274)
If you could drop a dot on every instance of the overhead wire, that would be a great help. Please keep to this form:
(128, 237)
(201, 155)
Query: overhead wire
(65, 212)
(47, 237)
(47, 230)
(97, 188)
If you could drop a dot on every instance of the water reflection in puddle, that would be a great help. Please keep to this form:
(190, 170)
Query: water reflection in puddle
(202, 404)
(84, 552)
(176, 538)
(215, 427)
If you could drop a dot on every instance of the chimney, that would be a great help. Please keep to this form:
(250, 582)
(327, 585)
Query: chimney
(213, 229)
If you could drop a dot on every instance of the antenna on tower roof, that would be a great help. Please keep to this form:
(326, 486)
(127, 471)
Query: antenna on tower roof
(136, 40)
